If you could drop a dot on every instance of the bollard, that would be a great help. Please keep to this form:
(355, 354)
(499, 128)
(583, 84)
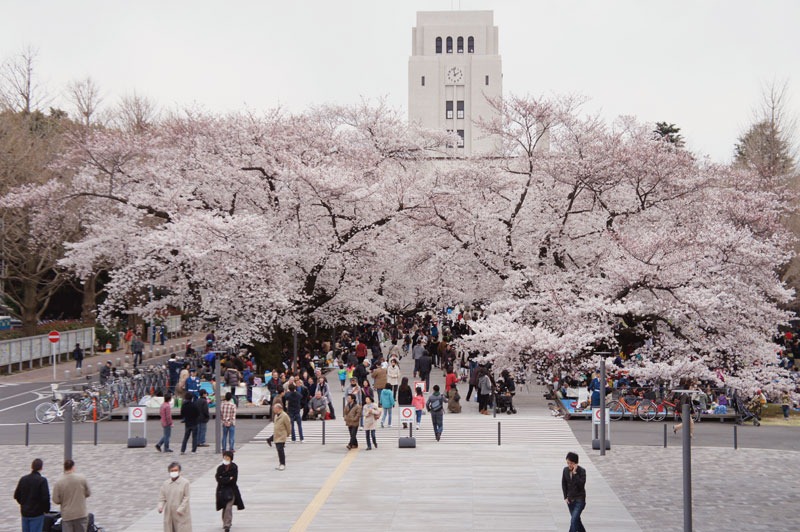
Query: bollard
(498, 433)
(323, 432)
(665, 435)
(88, 370)
(27, 434)
(735, 437)
(66, 374)
(119, 361)
(95, 433)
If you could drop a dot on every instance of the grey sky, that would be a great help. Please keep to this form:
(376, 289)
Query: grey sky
(699, 64)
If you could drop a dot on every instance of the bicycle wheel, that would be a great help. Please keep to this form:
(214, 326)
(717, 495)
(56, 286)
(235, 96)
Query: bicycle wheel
(696, 414)
(646, 411)
(661, 413)
(79, 413)
(46, 412)
(103, 409)
(615, 411)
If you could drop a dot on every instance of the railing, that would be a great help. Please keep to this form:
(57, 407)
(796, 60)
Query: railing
(32, 348)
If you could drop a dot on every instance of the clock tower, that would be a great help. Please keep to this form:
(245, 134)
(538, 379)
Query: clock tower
(454, 67)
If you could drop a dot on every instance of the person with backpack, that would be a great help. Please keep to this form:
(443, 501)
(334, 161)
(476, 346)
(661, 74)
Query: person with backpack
(435, 406)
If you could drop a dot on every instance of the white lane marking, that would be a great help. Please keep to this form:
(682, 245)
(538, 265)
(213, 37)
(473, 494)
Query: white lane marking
(35, 390)
(37, 400)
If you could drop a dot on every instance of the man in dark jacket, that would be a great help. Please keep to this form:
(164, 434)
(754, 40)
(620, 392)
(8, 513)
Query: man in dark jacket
(33, 496)
(425, 364)
(294, 407)
(573, 485)
(191, 418)
(77, 354)
(205, 416)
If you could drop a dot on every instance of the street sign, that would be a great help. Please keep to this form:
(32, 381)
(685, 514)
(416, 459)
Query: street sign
(54, 337)
(596, 416)
(136, 414)
(420, 384)
(407, 414)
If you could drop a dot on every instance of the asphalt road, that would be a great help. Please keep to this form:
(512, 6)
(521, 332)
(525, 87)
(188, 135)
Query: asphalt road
(706, 434)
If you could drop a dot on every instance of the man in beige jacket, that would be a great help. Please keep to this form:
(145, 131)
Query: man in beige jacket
(282, 428)
(71, 492)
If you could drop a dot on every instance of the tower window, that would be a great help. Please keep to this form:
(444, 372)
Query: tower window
(471, 45)
(460, 133)
(438, 45)
(460, 109)
(487, 80)
(449, 144)
(449, 45)
(460, 45)
(448, 109)
(423, 81)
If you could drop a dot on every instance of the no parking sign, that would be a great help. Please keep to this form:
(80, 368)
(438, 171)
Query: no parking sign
(136, 414)
(407, 414)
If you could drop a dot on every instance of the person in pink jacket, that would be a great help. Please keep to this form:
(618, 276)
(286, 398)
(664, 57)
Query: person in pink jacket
(418, 402)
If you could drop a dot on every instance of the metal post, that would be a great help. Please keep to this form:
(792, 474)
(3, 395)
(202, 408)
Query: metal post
(294, 352)
(218, 400)
(54, 361)
(498, 433)
(68, 432)
(687, 468)
(735, 437)
(602, 406)
(323, 432)
(27, 434)
(95, 433)
(665, 435)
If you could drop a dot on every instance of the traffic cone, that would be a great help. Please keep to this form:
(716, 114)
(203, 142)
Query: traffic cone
(108, 347)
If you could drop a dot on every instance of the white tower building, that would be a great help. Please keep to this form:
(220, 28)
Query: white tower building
(454, 66)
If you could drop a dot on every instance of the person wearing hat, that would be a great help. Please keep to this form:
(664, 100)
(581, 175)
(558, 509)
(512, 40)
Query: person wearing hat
(573, 485)
(281, 428)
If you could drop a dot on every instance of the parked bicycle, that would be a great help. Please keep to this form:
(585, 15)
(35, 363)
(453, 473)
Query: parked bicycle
(49, 412)
(618, 408)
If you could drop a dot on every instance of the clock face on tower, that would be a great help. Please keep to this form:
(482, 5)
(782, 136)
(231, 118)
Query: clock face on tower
(454, 75)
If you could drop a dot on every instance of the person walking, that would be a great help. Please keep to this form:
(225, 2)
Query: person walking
(387, 403)
(393, 376)
(165, 413)
(424, 365)
(371, 414)
(33, 496)
(173, 501)
(281, 428)
(573, 485)
(137, 347)
(205, 417)
(435, 406)
(191, 418)
(71, 491)
(419, 404)
(77, 354)
(227, 489)
(294, 407)
(227, 412)
(484, 392)
(352, 418)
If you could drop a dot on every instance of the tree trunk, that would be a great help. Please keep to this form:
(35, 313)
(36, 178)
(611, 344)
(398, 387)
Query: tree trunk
(89, 304)
(28, 308)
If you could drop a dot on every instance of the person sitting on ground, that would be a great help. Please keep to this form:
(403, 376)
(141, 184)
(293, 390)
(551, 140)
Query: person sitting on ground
(453, 400)
(319, 406)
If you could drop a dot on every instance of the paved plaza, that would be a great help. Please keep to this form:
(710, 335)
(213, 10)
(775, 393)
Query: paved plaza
(465, 482)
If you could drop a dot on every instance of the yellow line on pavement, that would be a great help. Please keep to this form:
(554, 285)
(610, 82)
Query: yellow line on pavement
(313, 508)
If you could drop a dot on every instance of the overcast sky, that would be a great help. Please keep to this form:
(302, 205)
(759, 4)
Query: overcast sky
(699, 64)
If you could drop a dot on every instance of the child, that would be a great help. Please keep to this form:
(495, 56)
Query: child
(419, 403)
(342, 375)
